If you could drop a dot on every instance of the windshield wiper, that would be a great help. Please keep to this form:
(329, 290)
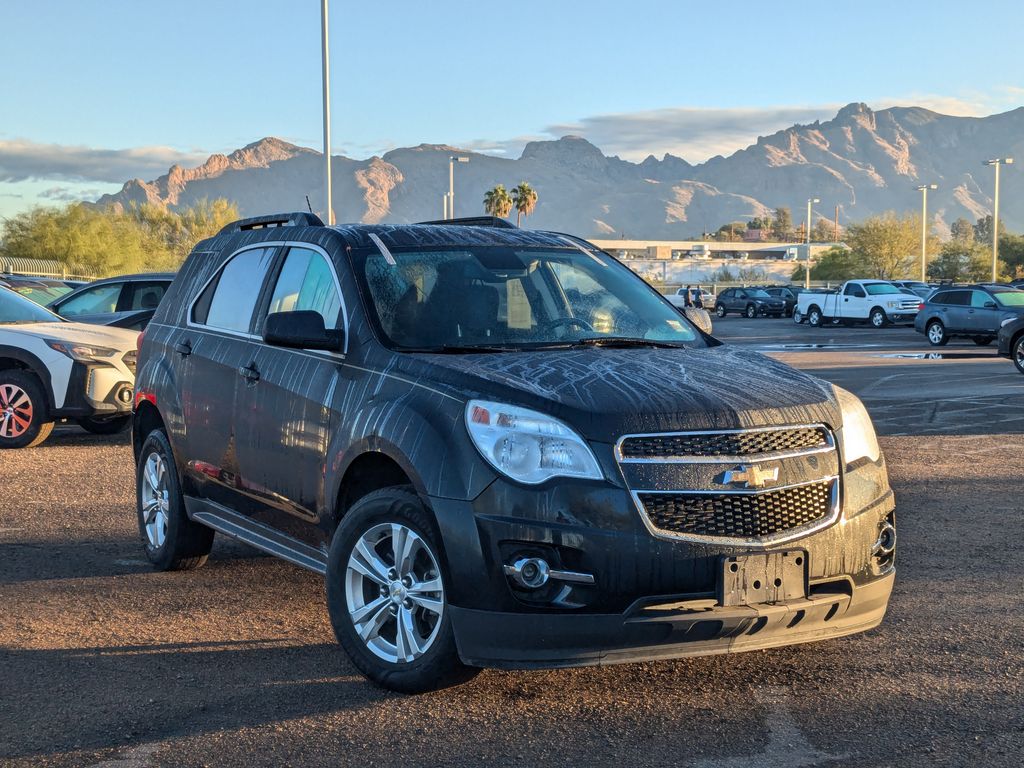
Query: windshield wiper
(456, 349)
(620, 341)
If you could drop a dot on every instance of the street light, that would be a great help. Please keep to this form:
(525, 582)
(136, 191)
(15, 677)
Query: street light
(995, 215)
(807, 268)
(327, 109)
(923, 189)
(451, 183)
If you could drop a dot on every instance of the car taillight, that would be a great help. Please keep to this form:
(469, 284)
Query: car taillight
(138, 341)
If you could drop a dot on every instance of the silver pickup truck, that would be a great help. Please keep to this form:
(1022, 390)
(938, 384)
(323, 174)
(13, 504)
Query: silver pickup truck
(867, 301)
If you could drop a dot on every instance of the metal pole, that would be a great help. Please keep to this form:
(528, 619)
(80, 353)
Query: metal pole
(807, 267)
(924, 231)
(451, 187)
(445, 217)
(995, 228)
(327, 110)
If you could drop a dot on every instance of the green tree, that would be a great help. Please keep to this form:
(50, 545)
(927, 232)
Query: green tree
(782, 226)
(835, 264)
(888, 245)
(498, 202)
(824, 231)
(524, 199)
(962, 231)
(92, 241)
(1011, 254)
(960, 262)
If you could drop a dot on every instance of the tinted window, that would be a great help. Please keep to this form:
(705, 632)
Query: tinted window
(230, 300)
(92, 301)
(958, 298)
(854, 290)
(307, 282)
(941, 297)
(144, 294)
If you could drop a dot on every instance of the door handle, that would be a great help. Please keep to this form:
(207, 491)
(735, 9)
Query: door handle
(250, 373)
(183, 348)
(845, 299)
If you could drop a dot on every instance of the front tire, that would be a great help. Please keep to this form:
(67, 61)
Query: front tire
(878, 318)
(172, 541)
(387, 594)
(106, 426)
(24, 412)
(720, 310)
(1018, 353)
(936, 333)
(751, 312)
(797, 317)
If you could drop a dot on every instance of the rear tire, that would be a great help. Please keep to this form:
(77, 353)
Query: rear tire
(814, 317)
(172, 541)
(366, 589)
(1017, 352)
(106, 426)
(24, 411)
(936, 333)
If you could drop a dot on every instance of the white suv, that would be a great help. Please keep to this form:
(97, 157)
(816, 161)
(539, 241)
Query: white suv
(52, 369)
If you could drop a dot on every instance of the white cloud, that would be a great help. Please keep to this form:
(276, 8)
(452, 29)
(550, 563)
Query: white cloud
(23, 160)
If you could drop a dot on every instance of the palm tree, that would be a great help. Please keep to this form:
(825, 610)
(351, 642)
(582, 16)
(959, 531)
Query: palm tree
(524, 198)
(497, 202)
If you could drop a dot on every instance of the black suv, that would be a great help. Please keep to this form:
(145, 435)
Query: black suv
(748, 301)
(973, 311)
(502, 448)
(788, 293)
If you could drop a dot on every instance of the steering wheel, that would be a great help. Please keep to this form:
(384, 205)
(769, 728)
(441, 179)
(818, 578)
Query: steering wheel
(558, 322)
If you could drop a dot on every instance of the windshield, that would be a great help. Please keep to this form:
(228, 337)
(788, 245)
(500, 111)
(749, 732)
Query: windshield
(40, 293)
(757, 293)
(1009, 298)
(500, 298)
(879, 289)
(15, 308)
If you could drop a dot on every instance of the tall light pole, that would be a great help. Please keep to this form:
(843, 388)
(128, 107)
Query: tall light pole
(327, 109)
(807, 268)
(923, 189)
(451, 183)
(995, 215)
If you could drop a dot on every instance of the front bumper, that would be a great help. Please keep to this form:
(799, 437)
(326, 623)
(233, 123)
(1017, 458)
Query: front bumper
(664, 630)
(97, 391)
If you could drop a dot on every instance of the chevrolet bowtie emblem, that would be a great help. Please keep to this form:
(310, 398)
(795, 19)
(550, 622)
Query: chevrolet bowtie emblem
(752, 476)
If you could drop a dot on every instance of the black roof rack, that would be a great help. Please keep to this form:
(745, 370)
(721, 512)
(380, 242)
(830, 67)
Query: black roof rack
(295, 219)
(475, 221)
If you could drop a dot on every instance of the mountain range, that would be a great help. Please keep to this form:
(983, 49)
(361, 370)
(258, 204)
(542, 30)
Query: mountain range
(863, 161)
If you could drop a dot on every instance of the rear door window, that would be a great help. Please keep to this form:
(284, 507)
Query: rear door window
(958, 298)
(144, 295)
(229, 301)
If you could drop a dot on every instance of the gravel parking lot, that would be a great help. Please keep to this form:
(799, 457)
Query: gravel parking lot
(104, 662)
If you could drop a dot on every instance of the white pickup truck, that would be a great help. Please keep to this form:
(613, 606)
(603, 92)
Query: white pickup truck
(869, 301)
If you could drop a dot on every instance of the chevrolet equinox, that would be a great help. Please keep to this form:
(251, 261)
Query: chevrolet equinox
(501, 448)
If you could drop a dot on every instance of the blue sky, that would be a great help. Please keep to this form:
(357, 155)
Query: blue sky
(94, 93)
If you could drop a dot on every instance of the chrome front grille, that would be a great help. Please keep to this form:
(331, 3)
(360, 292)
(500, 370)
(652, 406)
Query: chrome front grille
(682, 446)
(740, 515)
(739, 487)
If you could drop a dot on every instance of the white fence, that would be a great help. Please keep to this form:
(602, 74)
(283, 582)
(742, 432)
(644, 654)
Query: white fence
(38, 268)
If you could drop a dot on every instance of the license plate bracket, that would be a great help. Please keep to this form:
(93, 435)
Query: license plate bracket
(762, 577)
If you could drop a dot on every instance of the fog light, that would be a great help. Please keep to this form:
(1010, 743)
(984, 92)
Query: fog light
(529, 572)
(885, 544)
(125, 395)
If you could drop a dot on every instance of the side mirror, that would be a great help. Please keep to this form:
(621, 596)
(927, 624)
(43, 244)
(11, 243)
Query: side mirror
(990, 305)
(302, 329)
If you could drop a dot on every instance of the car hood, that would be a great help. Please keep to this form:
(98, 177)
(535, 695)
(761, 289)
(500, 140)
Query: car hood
(79, 333)
(605, 393)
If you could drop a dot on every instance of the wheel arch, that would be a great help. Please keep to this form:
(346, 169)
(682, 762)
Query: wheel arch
(21, 359)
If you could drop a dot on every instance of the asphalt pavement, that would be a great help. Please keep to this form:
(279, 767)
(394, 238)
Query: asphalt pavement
(105, 663)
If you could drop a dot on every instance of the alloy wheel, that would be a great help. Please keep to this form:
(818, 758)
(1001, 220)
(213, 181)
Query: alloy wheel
(1018, 355)
(156, 503)
(394, 593)
(15, 411)
(936, 333)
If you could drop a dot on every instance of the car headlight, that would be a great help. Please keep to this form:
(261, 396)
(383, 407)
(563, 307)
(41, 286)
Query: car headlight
(858, 433)
(528, 446)
(892, 304)
(83, 353)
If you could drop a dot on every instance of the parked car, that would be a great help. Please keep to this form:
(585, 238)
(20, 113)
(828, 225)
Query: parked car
(42, 290)
(1011, 341)
(105, 301)
(877, 302)
(501, 448)
(788, 293)
(750, 302)
(976, 312)
(53, 369)
(914, 286)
